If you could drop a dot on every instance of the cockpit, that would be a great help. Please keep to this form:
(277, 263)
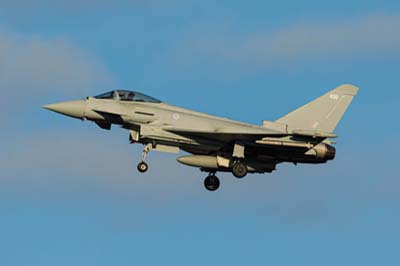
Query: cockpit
(127, 96)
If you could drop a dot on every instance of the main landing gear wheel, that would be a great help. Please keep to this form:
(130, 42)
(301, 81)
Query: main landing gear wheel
(239, 170)
(142, 167)
(212, 183)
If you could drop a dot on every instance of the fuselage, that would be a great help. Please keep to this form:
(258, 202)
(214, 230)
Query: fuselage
(158, 123)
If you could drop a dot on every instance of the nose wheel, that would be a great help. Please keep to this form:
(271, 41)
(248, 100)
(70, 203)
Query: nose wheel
(142, 166)
(212, 183)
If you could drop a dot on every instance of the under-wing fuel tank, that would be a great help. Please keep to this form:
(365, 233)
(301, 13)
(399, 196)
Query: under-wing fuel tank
(217, 163)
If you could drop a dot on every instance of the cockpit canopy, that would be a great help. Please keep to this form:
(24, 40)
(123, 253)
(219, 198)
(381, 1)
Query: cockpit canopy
(128, 96)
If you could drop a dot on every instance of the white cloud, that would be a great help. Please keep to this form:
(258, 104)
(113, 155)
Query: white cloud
(366, 36)
(31, 67)
(72, 7)
(56, 161)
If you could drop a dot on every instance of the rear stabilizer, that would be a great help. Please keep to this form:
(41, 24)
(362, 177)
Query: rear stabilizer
(322, 114)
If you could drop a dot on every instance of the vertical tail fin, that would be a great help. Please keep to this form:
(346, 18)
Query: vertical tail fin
(324, 113)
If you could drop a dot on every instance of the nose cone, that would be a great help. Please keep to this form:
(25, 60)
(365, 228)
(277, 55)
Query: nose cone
(75, 109)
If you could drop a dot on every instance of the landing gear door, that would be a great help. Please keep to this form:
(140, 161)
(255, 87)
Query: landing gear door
(134, 136)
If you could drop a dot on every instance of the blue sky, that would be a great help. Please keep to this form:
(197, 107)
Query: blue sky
(70, 193)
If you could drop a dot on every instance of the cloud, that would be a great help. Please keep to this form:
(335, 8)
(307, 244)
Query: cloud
(57, 163)
(32, 67)
(348, 38)
(73, 7)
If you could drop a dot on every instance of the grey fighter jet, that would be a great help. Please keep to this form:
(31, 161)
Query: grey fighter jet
(218, 144)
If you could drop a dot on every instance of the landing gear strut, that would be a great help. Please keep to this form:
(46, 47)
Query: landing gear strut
(142, 166)
(212, 182)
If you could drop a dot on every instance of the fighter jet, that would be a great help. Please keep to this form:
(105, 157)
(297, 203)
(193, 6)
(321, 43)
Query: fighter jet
(217, 144)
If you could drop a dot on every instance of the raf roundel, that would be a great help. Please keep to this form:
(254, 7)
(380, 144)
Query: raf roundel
(176, 116)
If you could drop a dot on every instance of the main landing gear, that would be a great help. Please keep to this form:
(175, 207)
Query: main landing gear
(239, 170)
(142, 166)
(212, 182)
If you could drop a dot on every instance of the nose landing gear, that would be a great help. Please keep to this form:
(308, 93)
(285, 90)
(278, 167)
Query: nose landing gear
(142, 166)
